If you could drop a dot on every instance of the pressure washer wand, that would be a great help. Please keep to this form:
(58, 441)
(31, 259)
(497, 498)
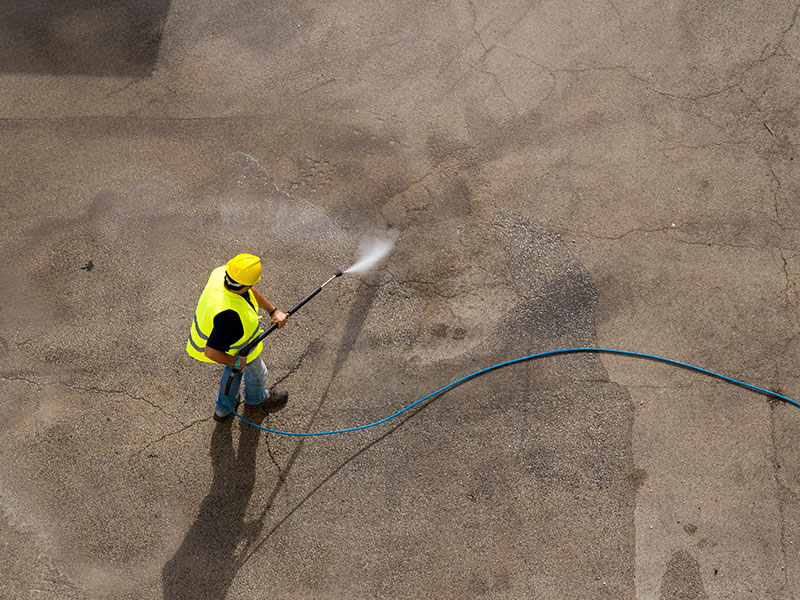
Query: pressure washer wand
(273, 326)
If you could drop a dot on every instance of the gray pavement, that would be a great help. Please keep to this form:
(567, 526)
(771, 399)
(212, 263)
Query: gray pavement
(553, 174)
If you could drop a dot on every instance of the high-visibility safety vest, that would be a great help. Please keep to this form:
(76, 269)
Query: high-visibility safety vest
(215, 299)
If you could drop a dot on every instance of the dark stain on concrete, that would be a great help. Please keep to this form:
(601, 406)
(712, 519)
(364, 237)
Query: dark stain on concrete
(637, 477)
(682, 581)
(82, 37)
(442, 150)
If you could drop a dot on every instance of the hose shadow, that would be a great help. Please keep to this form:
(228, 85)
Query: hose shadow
(250, 552)
(206, 563)
(355, 323)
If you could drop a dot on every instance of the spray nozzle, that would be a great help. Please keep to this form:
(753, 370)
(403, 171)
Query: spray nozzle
(338, 274)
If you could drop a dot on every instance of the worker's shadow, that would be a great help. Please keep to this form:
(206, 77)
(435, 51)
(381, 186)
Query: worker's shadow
(220, 542)
(206, 563)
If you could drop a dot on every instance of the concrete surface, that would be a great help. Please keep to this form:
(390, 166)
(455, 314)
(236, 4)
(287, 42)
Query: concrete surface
(554, 174)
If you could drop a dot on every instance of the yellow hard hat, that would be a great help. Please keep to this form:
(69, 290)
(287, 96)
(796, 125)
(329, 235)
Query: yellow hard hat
(244, 269)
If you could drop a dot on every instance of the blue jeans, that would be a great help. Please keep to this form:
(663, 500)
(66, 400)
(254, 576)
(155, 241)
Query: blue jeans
(255, 387)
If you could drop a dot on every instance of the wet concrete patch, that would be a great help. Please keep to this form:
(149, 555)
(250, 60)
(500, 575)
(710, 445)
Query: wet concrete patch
(682, 581)
(558, 295)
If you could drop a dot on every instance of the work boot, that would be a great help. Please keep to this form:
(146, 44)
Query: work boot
(222, 419)
(277, 399)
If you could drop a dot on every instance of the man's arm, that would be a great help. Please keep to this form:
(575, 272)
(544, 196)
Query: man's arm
(227, 329)
(275, 316)
(222, 358)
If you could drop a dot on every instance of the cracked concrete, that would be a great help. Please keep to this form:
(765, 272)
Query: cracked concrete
(594, 173)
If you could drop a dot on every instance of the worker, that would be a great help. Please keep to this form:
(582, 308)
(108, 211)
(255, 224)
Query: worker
(225, 321)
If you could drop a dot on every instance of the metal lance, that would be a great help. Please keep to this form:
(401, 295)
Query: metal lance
(273, 326)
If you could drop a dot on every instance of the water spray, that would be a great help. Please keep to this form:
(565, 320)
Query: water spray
(372, 252)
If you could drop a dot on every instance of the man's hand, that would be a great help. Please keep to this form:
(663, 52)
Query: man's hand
(279, 318)
(223, 358)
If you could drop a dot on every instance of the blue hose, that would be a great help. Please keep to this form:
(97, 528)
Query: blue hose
(517, 360)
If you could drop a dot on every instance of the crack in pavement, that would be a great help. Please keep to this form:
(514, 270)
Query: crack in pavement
(317, 86)
(165, 436)
(737, 84)
(352, 330)
(486, 51)
(613, 238)
(682, 146)
(479, 64)
(124, 393)
(479, 37)
(311, 347)
(775, 193)
(274, 462)
(589, 235)
(786, 349)
(475, 30)
(628, 69)
(791, 295)
(541, 66)
(298, 363)
(131, 118)
(499, 85)
(20, 378)
(90, 390)
(186, 426)
(789, 27)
